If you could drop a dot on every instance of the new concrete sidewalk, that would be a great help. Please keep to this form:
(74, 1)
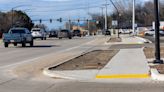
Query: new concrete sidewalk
(128, 63)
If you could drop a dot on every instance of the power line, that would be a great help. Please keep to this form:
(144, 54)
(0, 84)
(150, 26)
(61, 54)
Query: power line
(71, 9)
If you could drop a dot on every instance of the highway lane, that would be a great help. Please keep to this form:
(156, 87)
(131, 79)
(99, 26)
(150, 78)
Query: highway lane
(12, 55)
(17, 54)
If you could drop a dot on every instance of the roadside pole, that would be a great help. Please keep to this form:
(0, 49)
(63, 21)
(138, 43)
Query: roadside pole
(102, 18)
(157, 36)
(106, 19)
(133, 17)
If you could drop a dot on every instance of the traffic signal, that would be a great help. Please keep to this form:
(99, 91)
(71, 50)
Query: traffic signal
(50, 20)
(78, 20)
(40, 20)
(69, 20)
(60, 19)
(87, 20)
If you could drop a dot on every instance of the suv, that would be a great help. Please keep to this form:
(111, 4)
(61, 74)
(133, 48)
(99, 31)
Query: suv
(64, 34)
(16, 36)
(38, 33)
(107, 32)
(53, 34)
(77, 33)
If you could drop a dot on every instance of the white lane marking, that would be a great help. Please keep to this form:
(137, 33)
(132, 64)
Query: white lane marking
(30, 60)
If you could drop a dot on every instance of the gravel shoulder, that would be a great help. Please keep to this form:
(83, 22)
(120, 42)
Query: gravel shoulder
(150, 54)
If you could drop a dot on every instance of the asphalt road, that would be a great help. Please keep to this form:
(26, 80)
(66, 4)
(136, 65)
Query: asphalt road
(151, 38)
(15, 55)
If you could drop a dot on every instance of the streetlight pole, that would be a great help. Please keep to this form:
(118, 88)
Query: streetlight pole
(133, 17)
(157, 38)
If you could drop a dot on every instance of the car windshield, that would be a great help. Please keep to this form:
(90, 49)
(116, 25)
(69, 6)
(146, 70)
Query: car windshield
(64, 31)
(77, 31)
(18, 31)
(35, 30)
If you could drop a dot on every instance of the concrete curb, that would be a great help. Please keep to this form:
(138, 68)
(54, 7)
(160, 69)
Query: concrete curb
(56, 74)
(143, 39)
(71, 74)
(156, 75)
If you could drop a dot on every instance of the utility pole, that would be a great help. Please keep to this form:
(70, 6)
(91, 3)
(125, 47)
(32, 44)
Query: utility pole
(157, 36)
(133, 17)
(102, 17)
(69, 24)
(106, 20)
(119, 17)
(88, 26)
(12, 17)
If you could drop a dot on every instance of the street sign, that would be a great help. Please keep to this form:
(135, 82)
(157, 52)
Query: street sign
(114, 22)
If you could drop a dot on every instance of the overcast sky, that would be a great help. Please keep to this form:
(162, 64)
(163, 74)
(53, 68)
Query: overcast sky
(46, 9)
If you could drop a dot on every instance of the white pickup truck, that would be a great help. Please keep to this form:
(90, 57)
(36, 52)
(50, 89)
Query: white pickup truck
(18, 36)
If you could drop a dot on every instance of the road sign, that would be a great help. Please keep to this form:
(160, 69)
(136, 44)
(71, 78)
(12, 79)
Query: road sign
(114, 22)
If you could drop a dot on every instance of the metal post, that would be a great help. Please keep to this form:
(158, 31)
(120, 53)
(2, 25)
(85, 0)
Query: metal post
(102, 18)
(106, 20)
(157, 38)
(12, 17)
(119, 15)
(89, 27)
(133, 17)
(69, 24)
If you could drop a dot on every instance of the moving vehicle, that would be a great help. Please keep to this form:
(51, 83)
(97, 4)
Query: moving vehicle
(18, 36)
(107, 32)
(53, 34)
(65, 34)
(152, 32)
(39, 33)
(77, 33)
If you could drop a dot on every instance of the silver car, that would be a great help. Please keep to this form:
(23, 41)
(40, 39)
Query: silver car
(39, 33)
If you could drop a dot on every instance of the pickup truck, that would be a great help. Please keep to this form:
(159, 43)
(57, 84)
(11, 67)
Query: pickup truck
(18, 36)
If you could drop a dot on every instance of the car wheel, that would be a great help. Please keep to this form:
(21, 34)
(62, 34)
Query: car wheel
(23, 44)
(42, 38)
(15, 44)
(32, 43)
(6, 44)
(70, 37)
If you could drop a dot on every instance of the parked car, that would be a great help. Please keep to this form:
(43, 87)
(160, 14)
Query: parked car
(53, 34)
(18, 36)
(39, 33)
(107, 32)
(161, 32)
(77, 33)
(65, 34)
(152, 32)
